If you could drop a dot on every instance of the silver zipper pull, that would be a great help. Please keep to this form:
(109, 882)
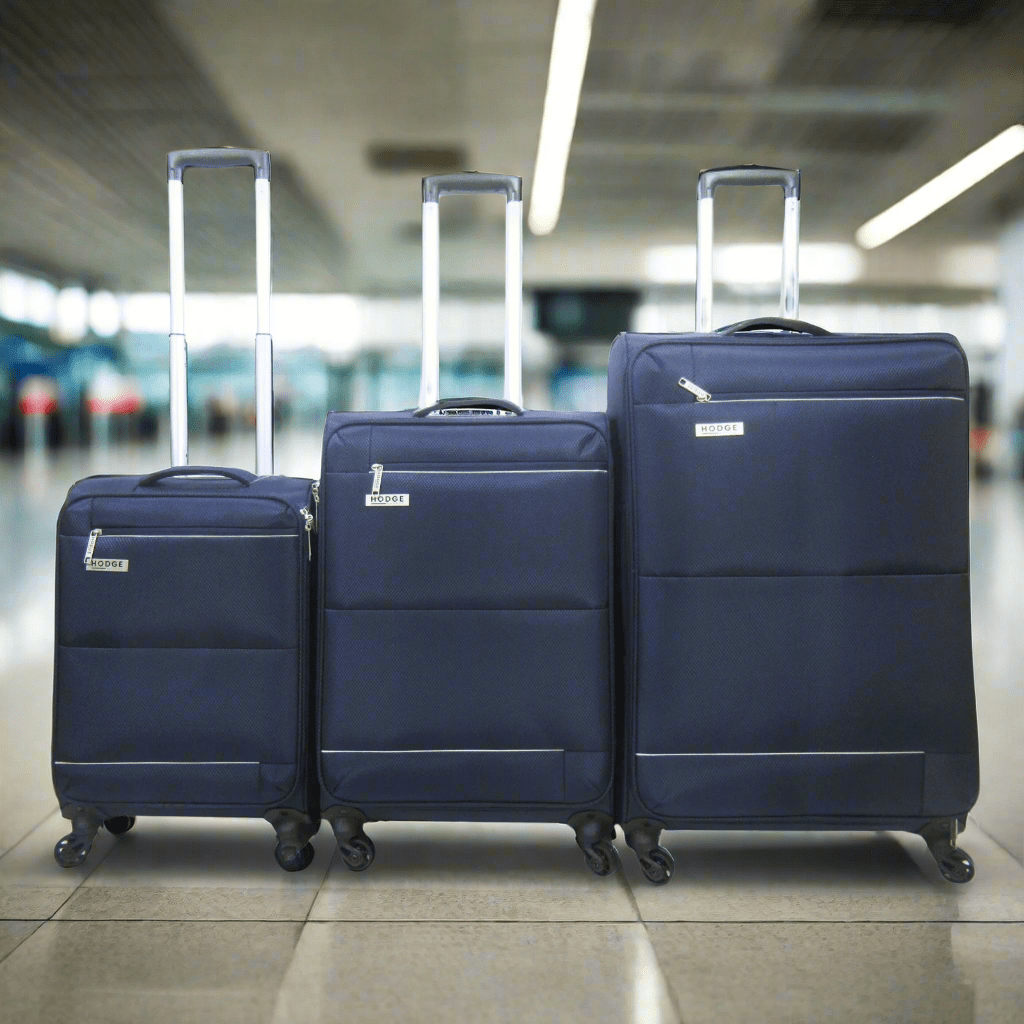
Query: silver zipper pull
(378, 473)
(316, 503)
(309, 529)
(699, 392)
(92, 545)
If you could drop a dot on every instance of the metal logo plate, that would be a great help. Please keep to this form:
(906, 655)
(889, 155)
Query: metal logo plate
(387, 501)
(107, 565)
(718, 429)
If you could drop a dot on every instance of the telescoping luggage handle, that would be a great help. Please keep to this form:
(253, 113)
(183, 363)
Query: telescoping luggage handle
(471, 183)
(748, 174)
(259, 161)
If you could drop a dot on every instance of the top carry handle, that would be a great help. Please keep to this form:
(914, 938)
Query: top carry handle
(259, 161)
(748, 174)
(472, 183)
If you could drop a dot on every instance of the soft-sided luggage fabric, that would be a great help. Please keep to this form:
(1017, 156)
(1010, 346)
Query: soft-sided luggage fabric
(181, 684)
(466, 650)
(795, 598)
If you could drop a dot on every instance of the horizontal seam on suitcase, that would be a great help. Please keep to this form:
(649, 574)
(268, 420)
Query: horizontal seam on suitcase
(794, 575)
(599, 467)
(602, 433)
(780, 341)
(723, 398)
(783, 753)
(471, 750)
(176, 763)
(176, 647)
(392, 608)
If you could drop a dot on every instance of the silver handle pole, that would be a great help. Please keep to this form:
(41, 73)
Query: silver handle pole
(178, 350)
(514, 302)
(705, 235)
(431, 365)
(789, 302)
(264, 339)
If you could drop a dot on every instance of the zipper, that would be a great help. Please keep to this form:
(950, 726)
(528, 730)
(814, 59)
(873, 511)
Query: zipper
(93, 536)
(307, 515)
(184, 536)
(378, 472)
(705, 396)
(316, 503)
(700, 394)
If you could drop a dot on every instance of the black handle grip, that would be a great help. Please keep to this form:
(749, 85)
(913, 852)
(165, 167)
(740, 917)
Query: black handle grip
(774, 323)
(748, 174)
(472, 183)
(241, 475)
(470, 403)
(220, 156)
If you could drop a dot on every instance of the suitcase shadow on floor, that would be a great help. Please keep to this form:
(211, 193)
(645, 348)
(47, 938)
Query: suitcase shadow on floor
(457, 851)
(819, 859)
(231, 850)
(209, 849)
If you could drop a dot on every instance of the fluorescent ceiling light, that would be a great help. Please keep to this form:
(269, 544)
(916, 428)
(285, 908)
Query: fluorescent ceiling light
(942, 189)
(671, 264)
(146, 313)
(13, 297)
(41, 302)
(969, 266)
(820, 263)
(569, 48)
(104, 314)
(72, 314)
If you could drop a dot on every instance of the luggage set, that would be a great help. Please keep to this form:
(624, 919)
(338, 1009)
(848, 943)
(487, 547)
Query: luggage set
(434, 631)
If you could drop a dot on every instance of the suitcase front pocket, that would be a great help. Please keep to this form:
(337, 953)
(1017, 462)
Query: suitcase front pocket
(201, 590)
(468, 538)
(795, 484)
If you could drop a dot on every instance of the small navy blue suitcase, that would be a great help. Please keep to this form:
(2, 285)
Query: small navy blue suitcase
(182, 670)
(793, 530)
(465, 582)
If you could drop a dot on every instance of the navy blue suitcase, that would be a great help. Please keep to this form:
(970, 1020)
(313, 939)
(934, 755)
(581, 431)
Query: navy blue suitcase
(465, 580)
(182, 670)
(793, 529)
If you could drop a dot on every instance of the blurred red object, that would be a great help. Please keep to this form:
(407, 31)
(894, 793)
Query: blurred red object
(37, 396)
(121, 404)
(979, 438)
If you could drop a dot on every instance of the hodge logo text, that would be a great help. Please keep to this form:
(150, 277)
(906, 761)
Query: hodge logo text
(718, 429)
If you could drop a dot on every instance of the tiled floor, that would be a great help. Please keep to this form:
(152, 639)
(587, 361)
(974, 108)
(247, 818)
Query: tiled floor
(184, 921)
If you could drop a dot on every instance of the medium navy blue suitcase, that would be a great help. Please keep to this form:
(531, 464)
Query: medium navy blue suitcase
(182, 670)
(793, 530)
(465, 581)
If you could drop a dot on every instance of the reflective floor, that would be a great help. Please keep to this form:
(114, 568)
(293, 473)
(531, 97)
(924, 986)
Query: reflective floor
(184, 920)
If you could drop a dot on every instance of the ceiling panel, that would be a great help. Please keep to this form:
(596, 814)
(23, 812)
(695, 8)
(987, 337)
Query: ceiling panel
(870, 99)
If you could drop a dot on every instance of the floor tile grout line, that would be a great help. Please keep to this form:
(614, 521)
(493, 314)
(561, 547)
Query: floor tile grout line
(38, 924)
(74, 892)
(972, 820)
(34, 828)
(833, 921)
(320, 887)
(503, 921)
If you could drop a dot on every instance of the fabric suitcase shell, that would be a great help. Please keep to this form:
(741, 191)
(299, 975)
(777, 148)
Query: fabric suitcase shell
(793, 530)
(182, 679)
(466, 552)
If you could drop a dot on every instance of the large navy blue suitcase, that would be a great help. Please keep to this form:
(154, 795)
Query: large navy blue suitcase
(793, 529)
(465, 581)
(182, 670)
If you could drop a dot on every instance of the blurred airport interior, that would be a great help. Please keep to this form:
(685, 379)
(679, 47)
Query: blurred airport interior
(870, 100)
(906, 118)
